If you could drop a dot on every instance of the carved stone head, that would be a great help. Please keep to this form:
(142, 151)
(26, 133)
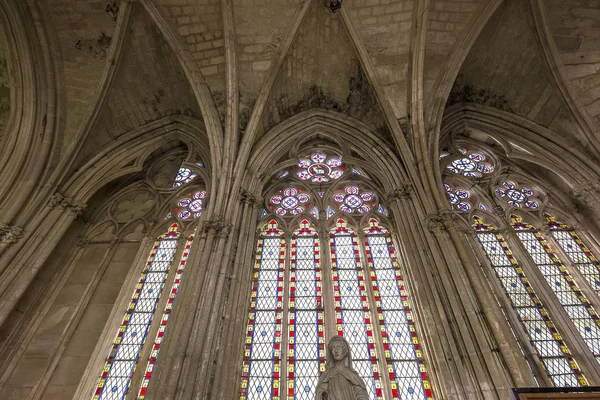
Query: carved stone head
(333, 5)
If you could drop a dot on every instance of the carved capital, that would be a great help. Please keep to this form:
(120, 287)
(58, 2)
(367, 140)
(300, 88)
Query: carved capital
(74, 206)
(445, 220)
(247, 197)
(219, 226)
(55, 200)
(10, 234)
(403, 191)
(436, 223)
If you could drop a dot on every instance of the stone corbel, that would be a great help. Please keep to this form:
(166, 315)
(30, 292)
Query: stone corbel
(10, 234)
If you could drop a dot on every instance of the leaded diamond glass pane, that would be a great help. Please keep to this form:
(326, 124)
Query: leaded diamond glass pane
(397, 326)
(534, 318)
(262, 355)
(306, 346)
(564, 287)
(124, 354)
(579, 255)
(352, 309)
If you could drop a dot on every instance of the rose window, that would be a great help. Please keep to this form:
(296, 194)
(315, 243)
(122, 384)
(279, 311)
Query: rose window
(474, 165)
(319, 167)
(458, 198)
(191, 206)
(517, 197)
(352, 199)
(289, 202)
(184, 175)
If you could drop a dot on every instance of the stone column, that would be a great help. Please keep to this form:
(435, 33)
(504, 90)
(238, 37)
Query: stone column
(460, 346)
(189, 367)
(227, 376)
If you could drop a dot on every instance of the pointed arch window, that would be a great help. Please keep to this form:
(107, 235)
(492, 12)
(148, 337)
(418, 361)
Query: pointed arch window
(352, 309)
(306, 340)
(120, 366)
(262, 353)
(123, 358)
(375, 318)
(569, 295)
(561, 368)
(402, 349)
(164, 320)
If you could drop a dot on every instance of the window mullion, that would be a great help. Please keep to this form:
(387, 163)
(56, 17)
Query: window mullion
(329, 307)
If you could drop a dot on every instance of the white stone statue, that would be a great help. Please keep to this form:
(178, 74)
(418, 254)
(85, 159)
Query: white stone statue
(340, 381)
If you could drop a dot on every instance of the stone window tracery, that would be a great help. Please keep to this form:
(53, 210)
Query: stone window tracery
(184, 175)
(517, 196)
(458, 198)
(289, 201)
(191, 205)
(567, 292)
(320, 167)
(474, 164)
(579, 254)
(354, 199)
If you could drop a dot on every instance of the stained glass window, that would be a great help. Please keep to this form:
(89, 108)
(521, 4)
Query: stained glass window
(352, 199)
(287, 308)
(262, 354)
(123, 357)
(473, 165)
(352, 309)
(315, 213)
(458, 198)
(544, 337)
(289, 201)
(184, 175)
(577, 252)
(191, 206)
(579, 309)
(517, 196)
(319, 167)
(407, 373)
(306, 342)
(164, 320)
